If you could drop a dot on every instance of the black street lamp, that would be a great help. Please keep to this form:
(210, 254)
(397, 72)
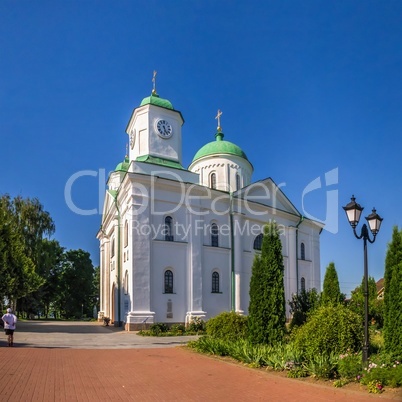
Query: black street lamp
(353, 211)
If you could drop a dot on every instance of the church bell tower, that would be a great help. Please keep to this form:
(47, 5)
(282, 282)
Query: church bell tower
(154, 131)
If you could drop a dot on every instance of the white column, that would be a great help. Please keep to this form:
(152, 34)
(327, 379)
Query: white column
(141, 263)
(195, 257)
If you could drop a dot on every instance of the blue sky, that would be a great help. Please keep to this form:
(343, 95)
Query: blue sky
(305, 87)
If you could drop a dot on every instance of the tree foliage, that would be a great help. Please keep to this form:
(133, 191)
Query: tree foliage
(18, 269)
(267, 316)
(76, 287)
(301, 305)
(36, 271)
(356, 303)
(393, 296)
(331, 293)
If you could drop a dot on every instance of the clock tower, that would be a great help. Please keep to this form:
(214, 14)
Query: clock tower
(154, 132)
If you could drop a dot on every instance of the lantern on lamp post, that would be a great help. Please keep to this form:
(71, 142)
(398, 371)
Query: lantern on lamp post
(353, 212)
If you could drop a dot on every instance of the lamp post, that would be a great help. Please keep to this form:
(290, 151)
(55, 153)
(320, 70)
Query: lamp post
(353, 211)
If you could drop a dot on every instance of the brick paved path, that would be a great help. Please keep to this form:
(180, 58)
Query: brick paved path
(33, 372)
(173, 374)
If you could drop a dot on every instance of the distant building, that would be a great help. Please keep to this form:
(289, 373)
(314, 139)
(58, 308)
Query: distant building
(178, 243)
(380, 288)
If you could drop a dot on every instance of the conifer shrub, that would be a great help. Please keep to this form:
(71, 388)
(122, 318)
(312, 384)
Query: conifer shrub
(227, 326)
(267, 308)
(329, 329)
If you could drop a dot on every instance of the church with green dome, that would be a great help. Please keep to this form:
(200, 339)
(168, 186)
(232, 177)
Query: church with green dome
(177, 242)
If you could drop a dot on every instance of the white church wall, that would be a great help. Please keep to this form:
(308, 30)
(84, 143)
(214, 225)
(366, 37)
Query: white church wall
(172, 256)
(216, 259)
(225, 167)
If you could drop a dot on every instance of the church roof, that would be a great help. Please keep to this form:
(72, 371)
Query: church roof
(123, 166)
(154, 99)
(219, 147)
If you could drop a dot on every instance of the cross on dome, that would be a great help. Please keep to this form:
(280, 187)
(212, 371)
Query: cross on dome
(154, 82)
(218, 117)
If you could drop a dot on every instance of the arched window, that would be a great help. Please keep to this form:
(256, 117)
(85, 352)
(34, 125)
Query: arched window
(213, 180)
(302, 251)
(214, 235)
(215, 282)
(258, 242)
(168, 228)
(237, 182)
(168, 281)
(125, 234)
(302, 284)
(112, 249)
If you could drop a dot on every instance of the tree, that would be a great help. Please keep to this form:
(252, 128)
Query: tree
(356, 303)
(19, 277)
(331, 293)
(76, 290)
(301, 305)
(393, 296)
(267, 316)
(50, 260)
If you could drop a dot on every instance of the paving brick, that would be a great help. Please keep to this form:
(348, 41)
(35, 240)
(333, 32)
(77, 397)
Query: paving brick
(173, 374)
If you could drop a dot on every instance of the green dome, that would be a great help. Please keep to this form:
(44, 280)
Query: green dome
(220, 147)
(123, 166)
(154, 99)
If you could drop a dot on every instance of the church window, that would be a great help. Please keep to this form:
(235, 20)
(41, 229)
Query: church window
(112, 249)
(237, 182)
(213, 180)
(126, 234)
(303, 284)
(215, 282)
(168, 228)
(302, 252)
(168, 281)
(258, 242)
(214, 235)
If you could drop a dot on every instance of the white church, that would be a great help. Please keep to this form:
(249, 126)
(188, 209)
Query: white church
(178, 243)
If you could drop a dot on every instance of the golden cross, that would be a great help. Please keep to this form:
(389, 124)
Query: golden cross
(218, 117)
(154, 82)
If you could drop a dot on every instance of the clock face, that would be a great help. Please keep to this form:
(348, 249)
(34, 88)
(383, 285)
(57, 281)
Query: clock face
(132, 139)
(164, 128)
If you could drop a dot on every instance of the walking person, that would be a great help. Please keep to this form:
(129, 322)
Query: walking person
(10, 320)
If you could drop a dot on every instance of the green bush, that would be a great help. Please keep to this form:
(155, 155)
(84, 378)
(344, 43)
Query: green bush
(350, 365)
(329, 329)
(227, 326)
(157, 328)
(196, 325)
(383, 373)
(177, 329)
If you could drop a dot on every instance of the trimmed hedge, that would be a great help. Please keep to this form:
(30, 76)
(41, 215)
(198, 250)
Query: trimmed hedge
(227, 326)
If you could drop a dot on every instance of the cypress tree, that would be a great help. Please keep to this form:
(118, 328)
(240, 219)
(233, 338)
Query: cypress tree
(393, 296)
(267, 315)
(331, 293)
